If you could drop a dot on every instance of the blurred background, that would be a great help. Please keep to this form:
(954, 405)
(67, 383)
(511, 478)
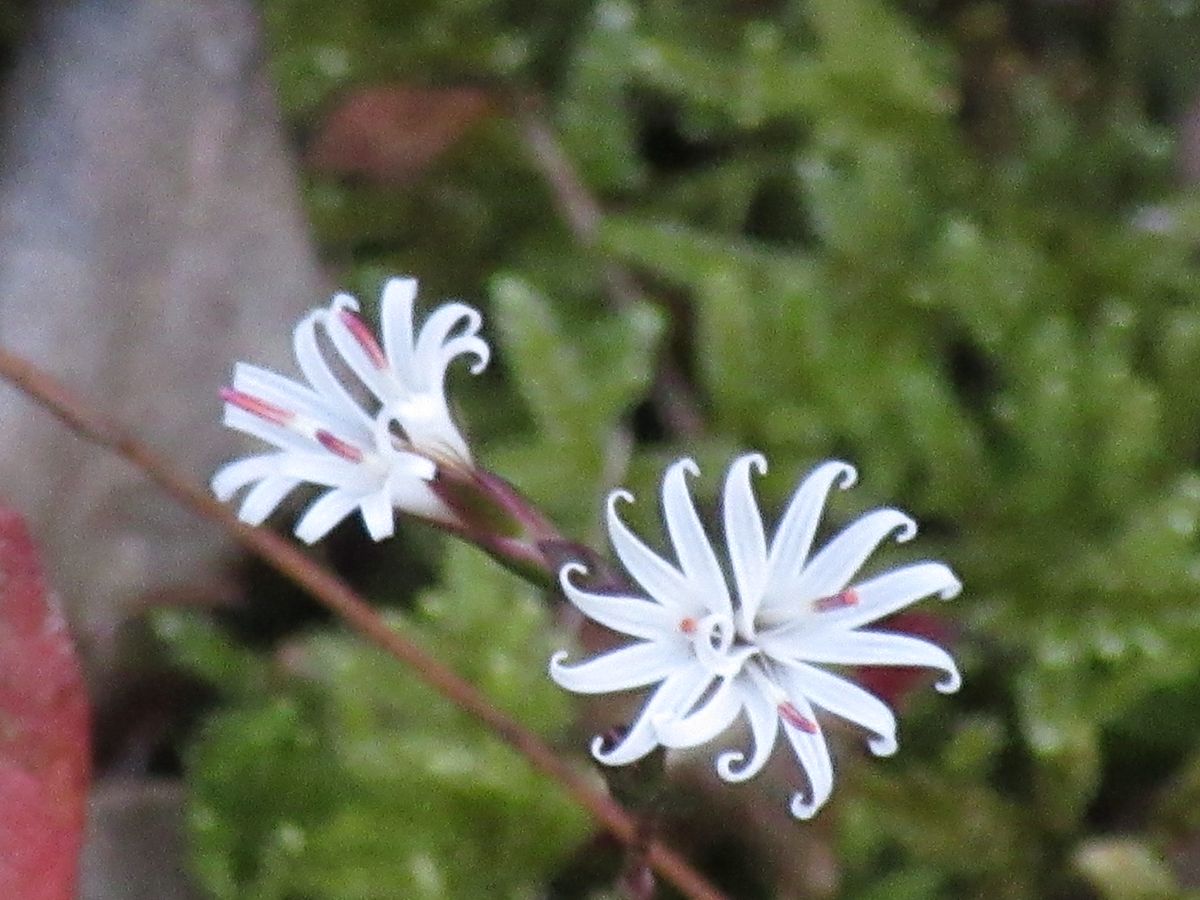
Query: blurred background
(953, 241)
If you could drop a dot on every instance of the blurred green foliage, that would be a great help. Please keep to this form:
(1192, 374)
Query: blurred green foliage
(949, 241)
(331, 772)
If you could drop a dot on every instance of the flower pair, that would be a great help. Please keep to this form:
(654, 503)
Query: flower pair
(717, 648)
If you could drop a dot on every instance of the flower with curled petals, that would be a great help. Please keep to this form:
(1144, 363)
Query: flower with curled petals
(372, 428)
(757, 644)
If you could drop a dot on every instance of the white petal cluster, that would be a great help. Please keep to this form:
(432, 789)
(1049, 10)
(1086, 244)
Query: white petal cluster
(760, 649)
(371, 425)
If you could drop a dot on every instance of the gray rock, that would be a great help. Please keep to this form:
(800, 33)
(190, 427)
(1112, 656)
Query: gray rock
(150, 235)
(135, 846)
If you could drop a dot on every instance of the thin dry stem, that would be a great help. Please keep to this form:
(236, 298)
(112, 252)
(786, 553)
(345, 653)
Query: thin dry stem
(338, 597)
(637, 879)
(671, 395)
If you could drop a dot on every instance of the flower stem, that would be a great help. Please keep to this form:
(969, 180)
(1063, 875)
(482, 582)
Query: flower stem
(344, 602)
(496, 517)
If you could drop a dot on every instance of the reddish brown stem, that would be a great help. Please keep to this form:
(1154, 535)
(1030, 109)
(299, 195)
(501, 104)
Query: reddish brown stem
(637, 879)
(338, 597)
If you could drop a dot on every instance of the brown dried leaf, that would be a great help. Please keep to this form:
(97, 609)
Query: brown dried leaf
(391, 133)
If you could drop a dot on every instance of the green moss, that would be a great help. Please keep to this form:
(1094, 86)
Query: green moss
(946, 241)
(349, 779)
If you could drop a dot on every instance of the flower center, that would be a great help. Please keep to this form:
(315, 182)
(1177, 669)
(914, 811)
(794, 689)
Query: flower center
(714, 643)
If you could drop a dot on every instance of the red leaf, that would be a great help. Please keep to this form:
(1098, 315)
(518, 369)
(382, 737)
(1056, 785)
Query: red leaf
(44, 730)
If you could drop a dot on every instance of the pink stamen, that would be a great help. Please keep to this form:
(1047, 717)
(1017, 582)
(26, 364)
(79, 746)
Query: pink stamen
(366, 340)
(848, 597)
(688, 625)
(792, 716)
(257, 406)
(335, 444)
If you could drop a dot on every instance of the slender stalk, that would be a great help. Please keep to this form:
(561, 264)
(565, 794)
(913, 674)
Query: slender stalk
(637, 879)
(494, 516)
(338, 597)
(581, 213)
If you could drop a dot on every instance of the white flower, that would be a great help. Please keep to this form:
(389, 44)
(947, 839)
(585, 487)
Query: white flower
(373, 428)
(760, 649)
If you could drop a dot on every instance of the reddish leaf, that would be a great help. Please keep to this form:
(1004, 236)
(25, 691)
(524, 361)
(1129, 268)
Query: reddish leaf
(44, 720)
(390, 133)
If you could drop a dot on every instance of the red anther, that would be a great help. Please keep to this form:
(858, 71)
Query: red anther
(366, 340)
(335, 444)
(688, 625)
(848, 597)
(792, 716)
(257, 406)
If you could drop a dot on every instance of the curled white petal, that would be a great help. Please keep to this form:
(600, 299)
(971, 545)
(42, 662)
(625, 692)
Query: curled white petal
(396, 325)
(744, 534)
(377, 515)
(633, 666)
(234, 476)
(692, 547)
(320, 375)
(812, 752)
(376, 444)
(269, 432)
(878, 648)
(288, 394)
(412, 493)
(639, 618)
(837, 562)
(794, 537)
(335, 473)
(763, 716)
(891, 592)
(352, 352)
(701, 725)
(714, 644)
(261, 500)
(678, 692)
(436, 346)
(850, 702)
(660, 579)
(716, 653)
